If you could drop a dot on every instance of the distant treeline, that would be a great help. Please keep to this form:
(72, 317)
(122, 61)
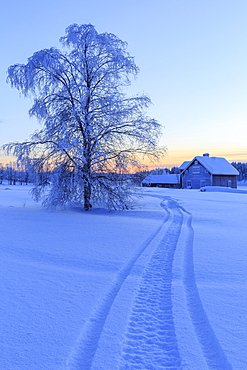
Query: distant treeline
(164, 171)
(23, 173)
(242, 169)
(31, 172)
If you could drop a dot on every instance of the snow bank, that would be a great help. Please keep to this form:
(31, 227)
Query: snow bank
(223, 189)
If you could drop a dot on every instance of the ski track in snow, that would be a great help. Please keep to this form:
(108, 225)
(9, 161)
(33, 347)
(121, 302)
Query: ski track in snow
(150, 338)
(211, 348)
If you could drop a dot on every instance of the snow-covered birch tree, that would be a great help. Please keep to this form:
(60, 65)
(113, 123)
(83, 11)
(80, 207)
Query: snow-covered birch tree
(90, 128)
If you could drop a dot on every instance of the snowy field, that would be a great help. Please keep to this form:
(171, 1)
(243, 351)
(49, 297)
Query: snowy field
(163, 286)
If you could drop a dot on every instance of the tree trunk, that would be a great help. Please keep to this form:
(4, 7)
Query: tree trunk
(87, 196)
(87, 171)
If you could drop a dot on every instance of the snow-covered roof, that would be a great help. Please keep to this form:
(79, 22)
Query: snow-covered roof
(184, 165)
(162, 179)
(215, 165)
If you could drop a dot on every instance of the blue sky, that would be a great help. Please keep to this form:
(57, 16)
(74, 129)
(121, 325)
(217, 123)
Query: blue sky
(192, 57)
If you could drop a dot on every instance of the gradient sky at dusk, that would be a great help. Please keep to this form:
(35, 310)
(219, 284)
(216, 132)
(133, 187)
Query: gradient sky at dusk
(192, 57)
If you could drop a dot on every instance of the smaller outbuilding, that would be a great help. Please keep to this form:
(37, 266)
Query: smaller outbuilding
(162, 181)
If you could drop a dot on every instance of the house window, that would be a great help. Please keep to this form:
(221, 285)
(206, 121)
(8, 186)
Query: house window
(189, 184)
(196, 169)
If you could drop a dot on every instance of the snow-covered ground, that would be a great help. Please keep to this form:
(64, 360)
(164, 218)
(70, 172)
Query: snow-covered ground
(163, 286)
